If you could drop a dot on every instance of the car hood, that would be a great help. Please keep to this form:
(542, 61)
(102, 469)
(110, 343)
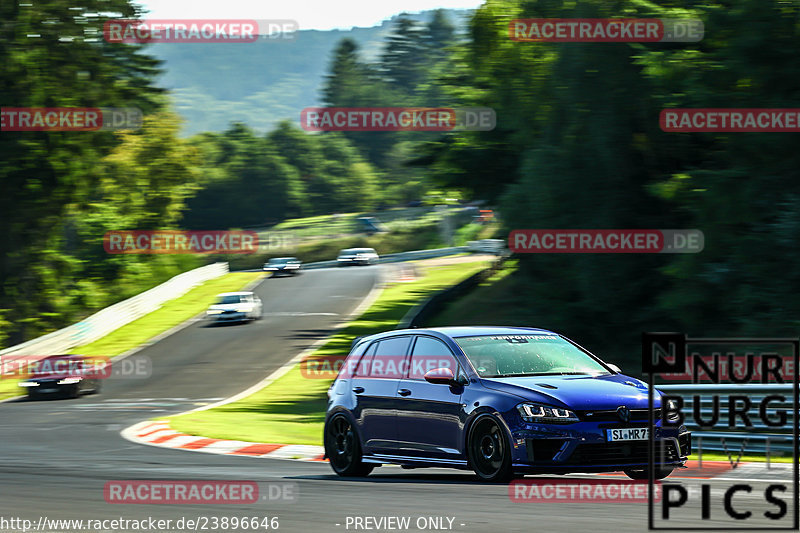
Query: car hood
(577, 392)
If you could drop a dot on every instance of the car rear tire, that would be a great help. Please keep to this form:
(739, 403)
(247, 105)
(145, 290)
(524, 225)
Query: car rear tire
(488, 451)
(660, 473)
(343, 449)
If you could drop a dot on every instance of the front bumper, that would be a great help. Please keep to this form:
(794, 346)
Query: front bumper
(584, 447)
(229, 316)
(47, 386)
(279, 271)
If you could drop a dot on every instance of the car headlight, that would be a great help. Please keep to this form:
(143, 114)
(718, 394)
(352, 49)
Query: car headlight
(28, 384)
(673, 410)
(214, 311)
(68, 381)
(540, 413)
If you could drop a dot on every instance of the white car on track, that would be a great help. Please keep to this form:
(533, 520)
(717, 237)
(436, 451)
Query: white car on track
(235, 307)
(357, 256)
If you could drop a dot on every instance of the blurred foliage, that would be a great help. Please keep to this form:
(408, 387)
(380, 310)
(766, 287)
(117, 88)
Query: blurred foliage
(578, 145)
(268, 81)
(258, 181)
(61, 191)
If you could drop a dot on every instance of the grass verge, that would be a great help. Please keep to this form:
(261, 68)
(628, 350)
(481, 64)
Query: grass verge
(713, 456)
(166, 317)
(488, 303)
(291, 410)
(169, 315)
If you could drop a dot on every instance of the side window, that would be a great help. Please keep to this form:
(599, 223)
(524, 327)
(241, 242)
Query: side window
(349, 365)
(389, 359)
(428, 354)
(362, 370)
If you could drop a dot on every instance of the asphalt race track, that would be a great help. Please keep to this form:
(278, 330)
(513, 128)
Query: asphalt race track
(57, 455)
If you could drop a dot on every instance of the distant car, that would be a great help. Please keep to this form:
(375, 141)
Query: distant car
(63, 375)
(357, 256)
(235, 307)
(290, 266)
(371, 225)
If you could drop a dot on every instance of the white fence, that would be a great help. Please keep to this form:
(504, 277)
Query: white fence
(111, 318)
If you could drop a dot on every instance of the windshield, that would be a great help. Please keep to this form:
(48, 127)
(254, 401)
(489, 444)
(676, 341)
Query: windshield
(495, 356)
(229, 299)
(279, 261)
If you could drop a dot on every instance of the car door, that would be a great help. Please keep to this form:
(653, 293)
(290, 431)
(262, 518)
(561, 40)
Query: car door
(428, 414)
(375, 389)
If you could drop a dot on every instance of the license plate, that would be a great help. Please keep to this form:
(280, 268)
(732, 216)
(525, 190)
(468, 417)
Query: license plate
(627, 434)
(48, 390)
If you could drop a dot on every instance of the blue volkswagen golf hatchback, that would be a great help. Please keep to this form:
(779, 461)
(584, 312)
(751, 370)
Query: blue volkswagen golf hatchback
(501, 401)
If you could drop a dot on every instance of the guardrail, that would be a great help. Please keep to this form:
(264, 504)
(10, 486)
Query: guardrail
(111, 318)
(399, 256)
(760, 439)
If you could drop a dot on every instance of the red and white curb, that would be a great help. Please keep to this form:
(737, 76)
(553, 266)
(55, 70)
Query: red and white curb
(159, 433)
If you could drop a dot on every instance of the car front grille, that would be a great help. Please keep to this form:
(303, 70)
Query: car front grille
(611, 453)
(637, 415)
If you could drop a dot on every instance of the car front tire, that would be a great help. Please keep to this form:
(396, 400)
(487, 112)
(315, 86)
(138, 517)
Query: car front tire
(343, 449)
(72, 391)
(488, 451)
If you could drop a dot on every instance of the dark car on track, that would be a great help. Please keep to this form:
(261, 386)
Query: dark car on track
(64, 376)
(498, 400)
(283, 266)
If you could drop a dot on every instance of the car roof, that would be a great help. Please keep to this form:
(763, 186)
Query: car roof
(465, 331)
(283, 259)
(235, 294)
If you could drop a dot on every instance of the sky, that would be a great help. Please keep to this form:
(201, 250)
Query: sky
(310, 14)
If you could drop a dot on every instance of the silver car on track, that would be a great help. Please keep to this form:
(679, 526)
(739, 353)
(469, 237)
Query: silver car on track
(235, 307)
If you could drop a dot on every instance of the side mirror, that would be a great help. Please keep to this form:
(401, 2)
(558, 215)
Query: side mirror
(614, 367)
(441, 376)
